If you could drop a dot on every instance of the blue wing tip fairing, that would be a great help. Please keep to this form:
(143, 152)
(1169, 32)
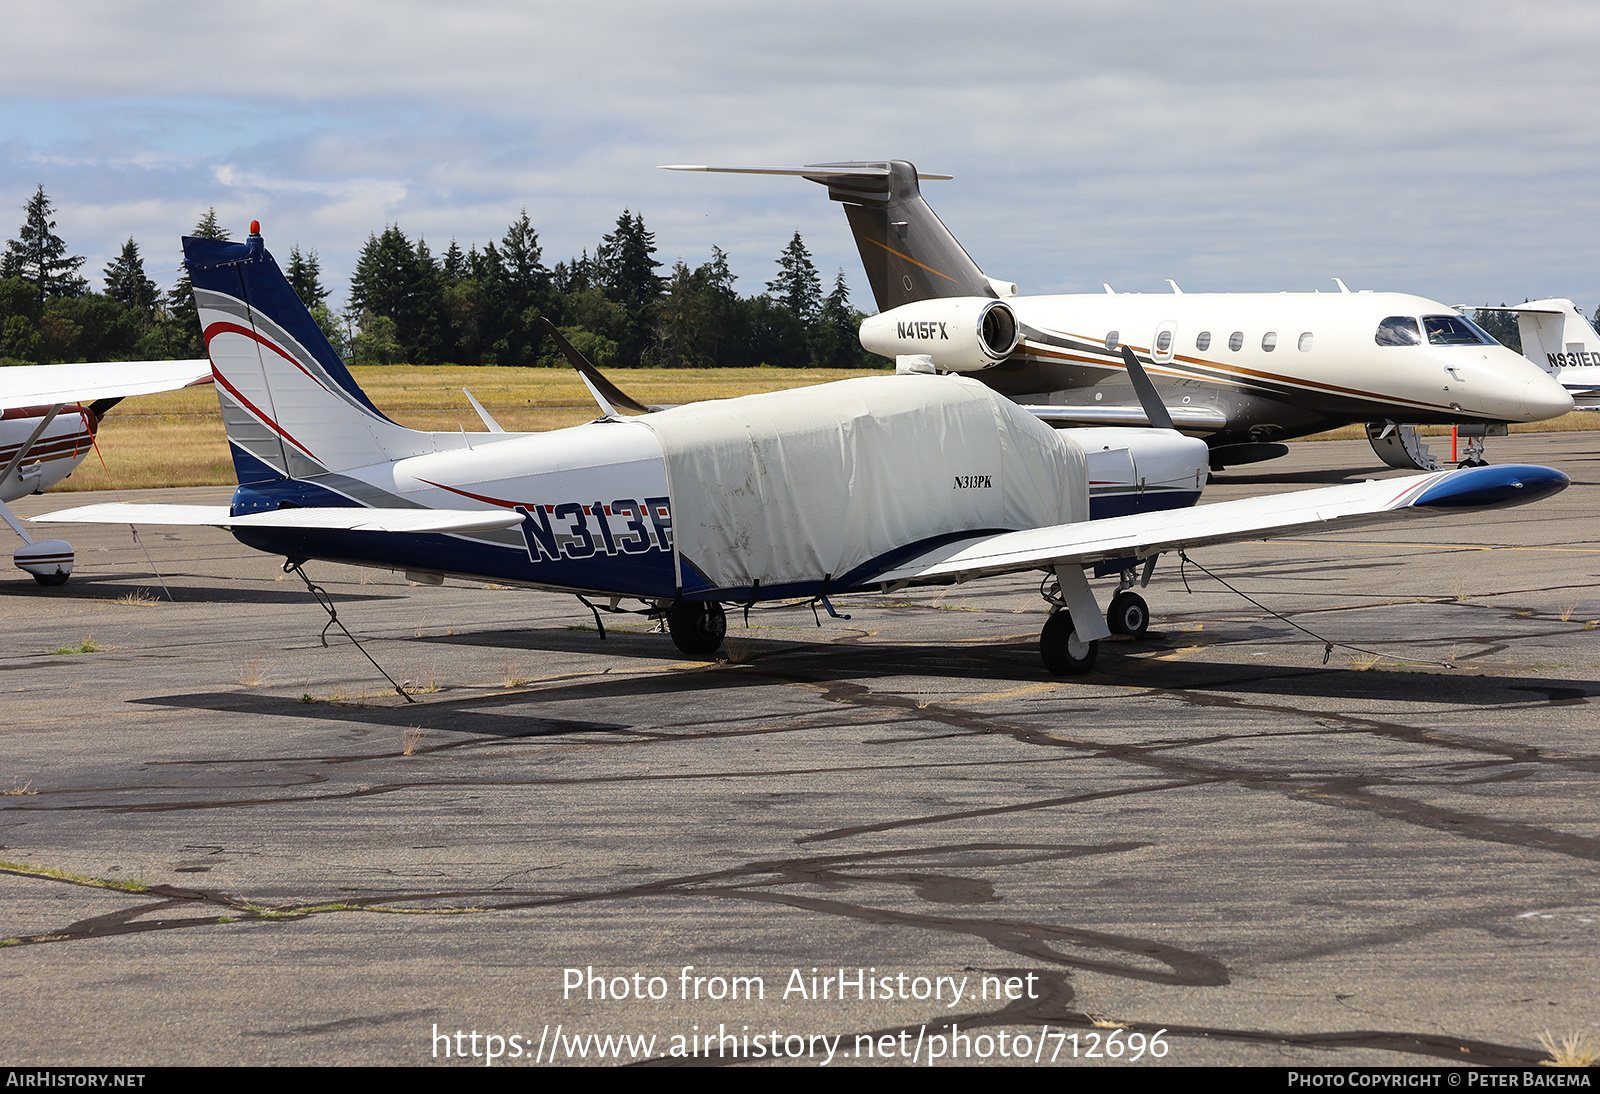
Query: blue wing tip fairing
(1499, 486)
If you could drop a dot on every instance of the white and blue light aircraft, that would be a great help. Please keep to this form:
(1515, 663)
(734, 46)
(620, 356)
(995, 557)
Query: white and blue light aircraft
(866, 484)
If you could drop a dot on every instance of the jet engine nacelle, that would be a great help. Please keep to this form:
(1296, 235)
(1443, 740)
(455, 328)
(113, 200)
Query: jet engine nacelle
(961, 334)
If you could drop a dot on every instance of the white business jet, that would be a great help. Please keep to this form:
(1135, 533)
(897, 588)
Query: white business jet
(48, 418)
(1243, 370)
(867, 484)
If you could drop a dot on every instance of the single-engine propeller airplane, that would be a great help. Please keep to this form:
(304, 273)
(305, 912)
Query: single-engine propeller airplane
(865, 484)
(1243, 370)
(48, 418)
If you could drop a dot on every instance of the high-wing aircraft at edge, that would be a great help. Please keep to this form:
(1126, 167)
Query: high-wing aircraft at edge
(48, 418)
(1242, 370)
(866, 484)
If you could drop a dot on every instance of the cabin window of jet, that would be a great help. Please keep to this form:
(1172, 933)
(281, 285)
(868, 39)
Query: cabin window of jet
(1112, 338)
(1453, 330)
(1305, 342)
(1399, 330)
(1164, 341)
(1236, 341)
(1269, 341)
(1202, 341)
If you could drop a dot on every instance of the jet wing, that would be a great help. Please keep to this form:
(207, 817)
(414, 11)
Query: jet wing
(348, 519)
(1189, 419)
(1145, 534)
(47, 385)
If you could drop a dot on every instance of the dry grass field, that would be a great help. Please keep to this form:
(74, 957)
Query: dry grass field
(177, 439)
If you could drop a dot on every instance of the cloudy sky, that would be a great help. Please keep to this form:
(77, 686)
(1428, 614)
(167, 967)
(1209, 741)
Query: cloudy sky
(1447, 149)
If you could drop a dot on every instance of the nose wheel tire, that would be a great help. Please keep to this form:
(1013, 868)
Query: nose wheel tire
(1128, 614)
(697, 629)
(1063, 652)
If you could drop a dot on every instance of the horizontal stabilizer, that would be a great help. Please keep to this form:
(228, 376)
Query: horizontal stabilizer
(815, 171)
(352, 519)
(1142, 535)
(47, 385)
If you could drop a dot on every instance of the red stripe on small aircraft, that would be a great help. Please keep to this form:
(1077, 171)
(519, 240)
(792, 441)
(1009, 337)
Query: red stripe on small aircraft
(233, 328)
(501, 502)
(266, 419)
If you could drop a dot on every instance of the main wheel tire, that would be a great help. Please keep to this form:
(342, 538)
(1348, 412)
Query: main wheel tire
(697, 629)
(51, 580)
(1064, 653)
(1128, 614)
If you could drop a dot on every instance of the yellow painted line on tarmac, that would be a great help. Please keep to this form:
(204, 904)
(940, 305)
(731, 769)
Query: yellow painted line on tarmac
(1005, 693)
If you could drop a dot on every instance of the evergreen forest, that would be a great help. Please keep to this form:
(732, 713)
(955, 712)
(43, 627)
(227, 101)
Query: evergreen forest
(480, 306)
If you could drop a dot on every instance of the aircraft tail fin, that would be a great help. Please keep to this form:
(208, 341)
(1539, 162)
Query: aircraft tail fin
(908, 253)
(291, 408)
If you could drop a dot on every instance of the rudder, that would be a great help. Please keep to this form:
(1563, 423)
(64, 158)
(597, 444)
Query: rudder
(291, 408)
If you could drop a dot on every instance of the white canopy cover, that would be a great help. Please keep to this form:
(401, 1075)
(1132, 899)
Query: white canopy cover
(808, 484)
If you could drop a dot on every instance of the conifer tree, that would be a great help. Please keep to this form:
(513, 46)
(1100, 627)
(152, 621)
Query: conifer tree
(39, 256)
(305, 276)
(209, 227)
(627, 272)
(185, 317)
(127, 284)
(797, 286)
(836, 338)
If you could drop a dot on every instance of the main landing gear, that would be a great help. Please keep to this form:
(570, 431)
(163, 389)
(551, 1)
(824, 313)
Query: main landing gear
(697, 629)
(1068, 648)
(1128, 614)
(1063, 651)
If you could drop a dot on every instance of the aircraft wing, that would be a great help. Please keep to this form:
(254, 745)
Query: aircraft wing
(1190, 419)
(1145, 534)
(349, 519)
(46, 385)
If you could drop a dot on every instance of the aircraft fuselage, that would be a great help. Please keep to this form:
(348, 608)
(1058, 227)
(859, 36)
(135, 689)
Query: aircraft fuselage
(1275, 365)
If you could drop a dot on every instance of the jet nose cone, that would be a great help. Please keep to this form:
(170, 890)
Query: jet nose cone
(1544, 398)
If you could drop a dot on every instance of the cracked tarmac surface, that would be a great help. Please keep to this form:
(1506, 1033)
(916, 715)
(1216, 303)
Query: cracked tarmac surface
(227, 844)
